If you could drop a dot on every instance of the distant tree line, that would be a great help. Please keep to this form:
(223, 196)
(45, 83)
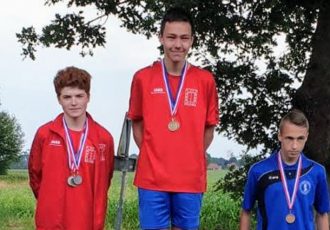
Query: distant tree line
(21, 162)
(224, 163)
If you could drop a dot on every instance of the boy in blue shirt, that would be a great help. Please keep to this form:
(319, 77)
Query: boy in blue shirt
(287, 185)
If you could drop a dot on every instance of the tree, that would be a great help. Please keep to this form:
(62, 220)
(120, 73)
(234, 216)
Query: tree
(11, 141)
(236, 40)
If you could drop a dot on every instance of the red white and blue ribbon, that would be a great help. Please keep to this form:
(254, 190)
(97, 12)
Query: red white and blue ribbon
(74, 158)
(289, 199)
(173, 102)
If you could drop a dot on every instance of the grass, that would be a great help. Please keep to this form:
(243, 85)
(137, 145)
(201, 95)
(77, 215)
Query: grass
(17, 204)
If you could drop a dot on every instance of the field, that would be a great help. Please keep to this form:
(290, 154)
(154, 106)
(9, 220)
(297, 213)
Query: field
(17, 204)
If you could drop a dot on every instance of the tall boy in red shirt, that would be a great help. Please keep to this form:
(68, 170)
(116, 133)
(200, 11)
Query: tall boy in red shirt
(174, 109)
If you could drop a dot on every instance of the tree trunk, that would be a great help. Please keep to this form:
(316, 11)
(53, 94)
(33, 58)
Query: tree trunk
(313, 97)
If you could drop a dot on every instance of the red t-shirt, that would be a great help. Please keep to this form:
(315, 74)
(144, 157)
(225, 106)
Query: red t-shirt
(173, 161)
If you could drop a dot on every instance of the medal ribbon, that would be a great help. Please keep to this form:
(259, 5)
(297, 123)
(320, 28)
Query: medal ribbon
(173, 102)
(289, 200)
(74, 158)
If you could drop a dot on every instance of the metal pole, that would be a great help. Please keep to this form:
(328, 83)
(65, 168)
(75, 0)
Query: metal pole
(123, 155)
(121, 200)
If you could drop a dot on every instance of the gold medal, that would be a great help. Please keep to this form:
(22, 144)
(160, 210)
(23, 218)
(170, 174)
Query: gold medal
(173, 125)
(290, 218)
(173, 100)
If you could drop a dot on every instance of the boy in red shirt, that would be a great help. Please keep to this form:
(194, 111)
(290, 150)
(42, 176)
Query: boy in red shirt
(71, 161)
(174, 109)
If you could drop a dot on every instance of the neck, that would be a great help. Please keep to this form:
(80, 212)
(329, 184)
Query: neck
(75, 123)
(174, 68)
(289, 160)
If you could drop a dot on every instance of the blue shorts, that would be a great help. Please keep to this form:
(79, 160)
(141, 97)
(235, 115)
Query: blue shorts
(159, 210)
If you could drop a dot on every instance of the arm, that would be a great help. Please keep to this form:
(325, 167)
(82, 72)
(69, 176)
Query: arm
(322, 221)
(34, 165)
(244, 223)
(208, 136)
(137, 127)
(112, 159)
(321, 202)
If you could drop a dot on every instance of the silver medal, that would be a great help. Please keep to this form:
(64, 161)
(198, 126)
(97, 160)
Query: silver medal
(77, 180)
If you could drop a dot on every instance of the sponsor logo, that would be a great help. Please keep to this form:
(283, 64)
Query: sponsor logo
(190, 97)
(90, 154)
(273, 177)
(305, 187)
(158, 91)
(55, 143)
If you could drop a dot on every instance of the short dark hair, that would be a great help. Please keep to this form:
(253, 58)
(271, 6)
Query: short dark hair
(72, 77)
(295, 117)
(176, 14)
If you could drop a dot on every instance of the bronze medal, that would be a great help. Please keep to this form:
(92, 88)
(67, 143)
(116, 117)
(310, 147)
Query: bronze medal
(70, 181)
(173, 125)
(77, 180)
(290, 218)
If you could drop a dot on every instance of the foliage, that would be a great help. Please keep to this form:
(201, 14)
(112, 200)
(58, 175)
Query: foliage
(237, 40)
(232, 39)
(234, 180)
(219, 212)
(11, 141)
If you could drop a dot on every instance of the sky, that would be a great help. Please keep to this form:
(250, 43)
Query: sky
(26, 86)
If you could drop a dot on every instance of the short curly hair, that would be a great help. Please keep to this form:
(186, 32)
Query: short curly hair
(72, 77)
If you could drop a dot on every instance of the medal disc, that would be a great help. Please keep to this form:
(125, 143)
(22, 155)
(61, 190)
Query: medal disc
(77, 179)
(70, 181)
(173, 125)
(290, 218)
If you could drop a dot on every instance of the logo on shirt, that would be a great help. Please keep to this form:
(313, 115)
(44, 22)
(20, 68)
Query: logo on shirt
(273, 177)
(90, 154)
(305, 187)
(55, 142)
(102, 152)
(190, 97)
(157, 91)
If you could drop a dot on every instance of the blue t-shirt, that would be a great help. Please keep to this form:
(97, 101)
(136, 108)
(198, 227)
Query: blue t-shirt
(264, 186)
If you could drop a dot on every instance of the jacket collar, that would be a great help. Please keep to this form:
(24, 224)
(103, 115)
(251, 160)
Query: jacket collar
(57, 127)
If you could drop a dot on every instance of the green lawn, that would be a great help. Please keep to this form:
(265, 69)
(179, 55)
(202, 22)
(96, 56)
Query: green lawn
(17, 204)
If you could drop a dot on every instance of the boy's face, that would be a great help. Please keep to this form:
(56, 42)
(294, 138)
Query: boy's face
(73, 101)
(293, 139)
(176, 40)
